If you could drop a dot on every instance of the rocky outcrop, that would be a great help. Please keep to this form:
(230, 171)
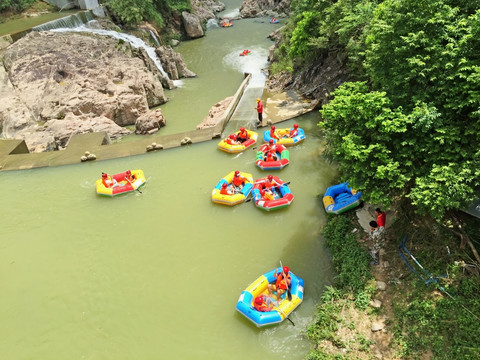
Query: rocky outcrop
(64, 83)
(261, 8)
(216, 114)
(173, 63)
(206, 9)
(192, 25)
(150, 122)
(315, 81)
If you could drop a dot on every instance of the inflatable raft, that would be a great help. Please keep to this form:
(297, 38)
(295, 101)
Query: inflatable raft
(274, 21)
(283, 137)
(245, 53)
(260, 287)
(239, 197)
(124, 186)
(283, 158)
(283, 197)
(340, 198)
(236, 148)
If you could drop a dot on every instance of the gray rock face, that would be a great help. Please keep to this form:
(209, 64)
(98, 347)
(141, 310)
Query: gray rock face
(64, 83)
(260, 8)
(150, 122)
(192, 25)
(206, 9)
(173, 63)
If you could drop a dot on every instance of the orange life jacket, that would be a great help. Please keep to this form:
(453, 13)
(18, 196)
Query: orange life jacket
(238, 180)
(273, 135)
(293, 132)
(271, 156)
(107, 182)
(280, 283)
(225, 191)
(243, 135)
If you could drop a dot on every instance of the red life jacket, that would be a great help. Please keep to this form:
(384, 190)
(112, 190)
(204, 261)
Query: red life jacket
(238, 180)
(293, 132)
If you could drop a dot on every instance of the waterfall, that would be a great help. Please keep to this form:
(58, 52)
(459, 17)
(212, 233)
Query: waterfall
(152, 34)
(133, 40)
(71, 21)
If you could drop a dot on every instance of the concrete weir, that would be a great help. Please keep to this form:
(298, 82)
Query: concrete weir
(14, 154)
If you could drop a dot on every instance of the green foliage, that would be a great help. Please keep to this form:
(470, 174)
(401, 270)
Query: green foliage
(15, 5)
(413, 136)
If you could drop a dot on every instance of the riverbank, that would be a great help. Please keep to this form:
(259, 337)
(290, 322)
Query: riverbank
(408, 307)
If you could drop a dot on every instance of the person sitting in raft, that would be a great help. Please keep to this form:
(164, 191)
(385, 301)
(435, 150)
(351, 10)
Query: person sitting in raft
(281, 284)
(270, 183)
(273, 135)
(242, 135)
(130, 177)
(273, 20)
(293, 132)
(225, 190)
(108, 181)
(271, 145)
(232, 140)
(238, 181)
(267, 195)
(263, 303)
(271, 156)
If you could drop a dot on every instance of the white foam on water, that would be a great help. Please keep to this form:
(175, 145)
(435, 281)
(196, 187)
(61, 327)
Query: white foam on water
(133, 40)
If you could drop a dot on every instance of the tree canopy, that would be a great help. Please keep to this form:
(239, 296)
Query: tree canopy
(411, 128)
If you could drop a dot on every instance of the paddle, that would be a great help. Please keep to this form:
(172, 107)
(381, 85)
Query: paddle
(289, 293)
(275, 305)
(132, 185)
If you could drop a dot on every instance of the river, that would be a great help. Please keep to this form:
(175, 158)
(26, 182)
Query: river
(156, 274)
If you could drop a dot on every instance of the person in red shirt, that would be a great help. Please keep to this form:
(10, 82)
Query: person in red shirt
(242, 135)
(273, 135)
(381, 217)
(270, 182)
(259, 108)
(108, 181)
(294, 131)
(129, 177)
(263, 303)
(271, 156)
(282, 283)
(232, 140)
(238, 181)
(224, 190)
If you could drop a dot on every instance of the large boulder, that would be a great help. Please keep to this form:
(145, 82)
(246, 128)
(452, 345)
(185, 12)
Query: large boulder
(192, 25)
(173, 63)
(150, 122)
(90, 78)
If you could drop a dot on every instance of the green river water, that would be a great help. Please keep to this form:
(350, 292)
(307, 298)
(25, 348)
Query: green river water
(157, 274)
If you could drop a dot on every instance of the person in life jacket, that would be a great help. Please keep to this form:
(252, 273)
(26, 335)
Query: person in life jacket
(232, 140)
(108, 181)
(129, 176)
(242, 135)
(273, 134)
(238, 180)
(224, 190)
(267, 195)
(294, 131)
(271, 156)
(263, 303)
(282, 283)
(270, 182)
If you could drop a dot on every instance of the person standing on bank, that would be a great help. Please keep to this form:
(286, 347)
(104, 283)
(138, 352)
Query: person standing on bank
(377, 237)
(259, 109)
(381, 217)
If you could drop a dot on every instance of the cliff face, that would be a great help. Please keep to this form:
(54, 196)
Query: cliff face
(315, 81)
(64, 83)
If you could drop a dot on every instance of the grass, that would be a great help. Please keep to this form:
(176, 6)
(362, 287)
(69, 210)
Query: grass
(426, 321)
